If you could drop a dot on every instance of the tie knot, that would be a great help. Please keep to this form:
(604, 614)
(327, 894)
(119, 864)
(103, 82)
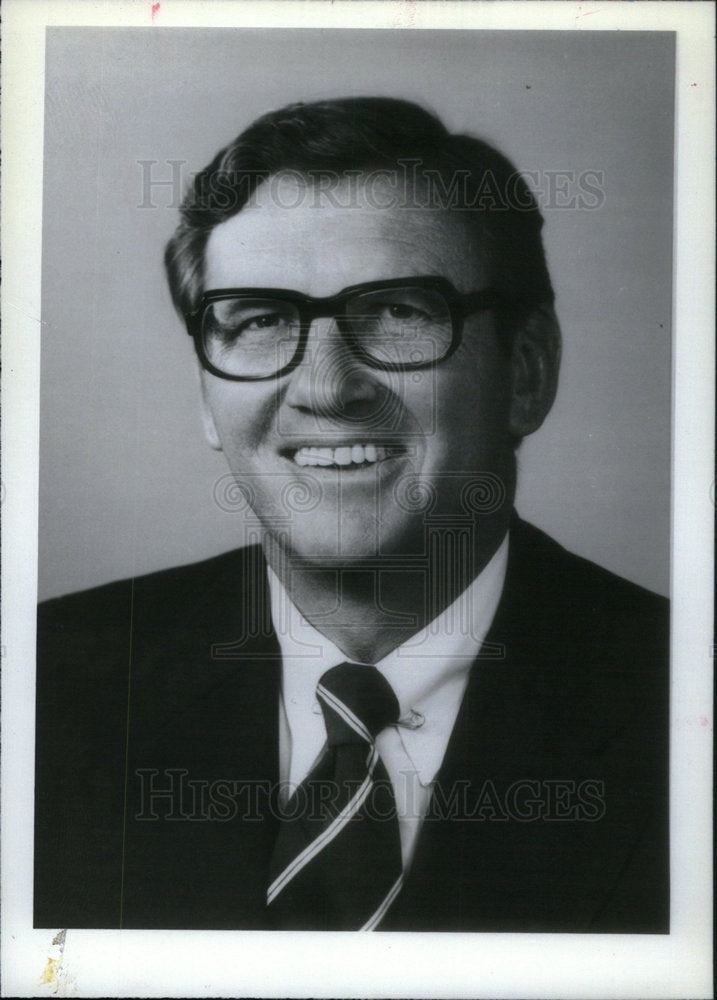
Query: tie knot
(357, 702)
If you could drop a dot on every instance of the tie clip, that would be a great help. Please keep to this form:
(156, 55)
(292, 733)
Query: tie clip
(412, 720)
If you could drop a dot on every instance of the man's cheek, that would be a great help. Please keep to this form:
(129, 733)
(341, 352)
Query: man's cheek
(242, 443)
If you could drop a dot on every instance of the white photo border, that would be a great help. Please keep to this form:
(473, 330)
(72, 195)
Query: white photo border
(193, 963)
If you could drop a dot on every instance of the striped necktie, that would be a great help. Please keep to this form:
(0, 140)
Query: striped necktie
(337, 859)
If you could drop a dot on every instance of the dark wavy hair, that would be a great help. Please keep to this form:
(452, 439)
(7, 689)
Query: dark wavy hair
(364, 134)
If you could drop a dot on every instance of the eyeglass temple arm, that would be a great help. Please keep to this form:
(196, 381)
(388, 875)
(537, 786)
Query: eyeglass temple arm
(488, 298)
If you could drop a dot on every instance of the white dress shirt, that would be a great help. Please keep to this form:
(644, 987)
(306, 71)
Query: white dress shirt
(428, 672)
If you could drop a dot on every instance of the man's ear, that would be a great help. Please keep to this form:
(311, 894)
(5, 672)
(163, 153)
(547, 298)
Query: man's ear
(210, 428)
(535, 361)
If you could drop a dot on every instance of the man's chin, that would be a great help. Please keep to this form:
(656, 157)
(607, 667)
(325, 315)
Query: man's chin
(346, 544)
(321, 549)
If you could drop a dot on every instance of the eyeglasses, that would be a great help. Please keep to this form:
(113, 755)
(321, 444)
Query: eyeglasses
(249, 334)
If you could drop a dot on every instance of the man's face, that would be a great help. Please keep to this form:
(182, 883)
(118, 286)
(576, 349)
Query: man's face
(409, 435)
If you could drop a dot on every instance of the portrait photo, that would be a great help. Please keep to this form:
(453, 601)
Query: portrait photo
(358, 595)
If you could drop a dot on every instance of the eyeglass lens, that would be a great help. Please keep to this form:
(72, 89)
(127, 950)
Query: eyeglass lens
(250, 336)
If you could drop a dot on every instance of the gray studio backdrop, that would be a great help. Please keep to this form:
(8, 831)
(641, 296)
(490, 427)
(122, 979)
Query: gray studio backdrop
(127, 484)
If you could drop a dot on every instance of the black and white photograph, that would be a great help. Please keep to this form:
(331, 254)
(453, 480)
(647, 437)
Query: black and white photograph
(357, 452)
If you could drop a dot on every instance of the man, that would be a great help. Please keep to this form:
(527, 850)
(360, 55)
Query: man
(405, 709)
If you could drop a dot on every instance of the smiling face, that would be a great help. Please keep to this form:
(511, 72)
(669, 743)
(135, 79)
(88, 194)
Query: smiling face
(336, 455)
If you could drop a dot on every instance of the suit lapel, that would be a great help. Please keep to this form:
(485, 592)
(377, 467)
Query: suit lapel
(509, 844)
(203, 762)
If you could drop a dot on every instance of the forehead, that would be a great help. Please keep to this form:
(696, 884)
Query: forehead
(320, 239)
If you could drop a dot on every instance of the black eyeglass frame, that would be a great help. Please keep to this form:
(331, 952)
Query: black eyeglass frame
(460, 305)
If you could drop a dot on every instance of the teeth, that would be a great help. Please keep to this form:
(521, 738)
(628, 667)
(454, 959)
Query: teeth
(356, 454)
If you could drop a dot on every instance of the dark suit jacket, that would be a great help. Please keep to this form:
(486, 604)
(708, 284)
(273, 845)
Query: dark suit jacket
(157, 757)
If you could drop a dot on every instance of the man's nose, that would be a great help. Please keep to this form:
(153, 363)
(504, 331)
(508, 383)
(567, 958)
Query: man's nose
(330, 380)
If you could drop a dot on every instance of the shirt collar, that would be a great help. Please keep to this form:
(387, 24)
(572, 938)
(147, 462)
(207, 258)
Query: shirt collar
(428, 672)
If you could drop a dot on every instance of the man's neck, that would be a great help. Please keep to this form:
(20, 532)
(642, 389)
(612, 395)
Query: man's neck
(368, 609)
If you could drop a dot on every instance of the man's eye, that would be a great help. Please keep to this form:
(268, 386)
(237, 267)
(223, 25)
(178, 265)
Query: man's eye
(406, 314)
(401, 310)
(244, 327)
(268, 321)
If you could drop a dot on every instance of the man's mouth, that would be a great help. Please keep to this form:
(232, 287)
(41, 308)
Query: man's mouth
(345, 456)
